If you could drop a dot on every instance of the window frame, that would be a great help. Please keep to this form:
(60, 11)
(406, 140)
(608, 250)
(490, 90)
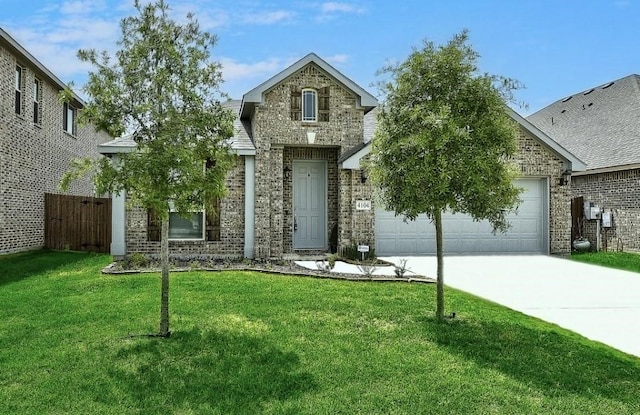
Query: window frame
(68, 109)
(37, 101)
(203, 223)
(303, 104)
(19, 90)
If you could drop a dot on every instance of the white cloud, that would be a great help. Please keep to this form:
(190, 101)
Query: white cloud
(337, 7)
(269, 17)
(209, 18)
(337, 59)
(81, 7)
(232, 70)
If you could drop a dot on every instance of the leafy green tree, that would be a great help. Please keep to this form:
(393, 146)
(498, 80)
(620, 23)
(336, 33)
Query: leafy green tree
(162, 88)
(444, 141)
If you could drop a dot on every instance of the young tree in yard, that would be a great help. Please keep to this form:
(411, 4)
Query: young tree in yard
(444, 141)
(162, 88)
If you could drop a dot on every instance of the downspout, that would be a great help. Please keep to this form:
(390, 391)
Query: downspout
(249, 206)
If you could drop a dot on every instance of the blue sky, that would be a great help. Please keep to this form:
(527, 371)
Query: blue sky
(555, 48)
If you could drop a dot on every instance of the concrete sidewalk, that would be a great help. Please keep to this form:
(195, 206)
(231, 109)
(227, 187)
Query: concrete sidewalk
(599, 303)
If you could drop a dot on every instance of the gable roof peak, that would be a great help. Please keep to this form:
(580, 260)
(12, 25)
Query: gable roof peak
(256, 95)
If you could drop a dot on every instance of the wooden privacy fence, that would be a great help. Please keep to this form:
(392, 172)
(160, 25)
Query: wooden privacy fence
(78, 223)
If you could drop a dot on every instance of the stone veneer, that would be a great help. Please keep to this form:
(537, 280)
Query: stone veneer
(536, 160)
(231, 243)
(618, 192)
(280, 140)
(33, 157)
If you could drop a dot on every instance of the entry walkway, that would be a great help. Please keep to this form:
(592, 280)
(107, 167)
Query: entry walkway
(599, 303)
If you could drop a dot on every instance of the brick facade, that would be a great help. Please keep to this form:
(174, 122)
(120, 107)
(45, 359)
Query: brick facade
(537, 161)
(231, 243)
(357, 227)
(34, 156)
(280, 141)
(618, 192)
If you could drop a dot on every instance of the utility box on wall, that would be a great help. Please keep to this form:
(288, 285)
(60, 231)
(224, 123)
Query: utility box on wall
(591, 212)
(607, 219)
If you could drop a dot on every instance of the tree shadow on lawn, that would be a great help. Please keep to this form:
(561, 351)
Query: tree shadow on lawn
(212, 371)
(16, 267)
(554, 361)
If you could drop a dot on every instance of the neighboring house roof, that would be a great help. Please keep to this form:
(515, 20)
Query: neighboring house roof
(241, 142)
(601, 125)
(256, 95)
(369, 124)
(351, 159)
(23, 55)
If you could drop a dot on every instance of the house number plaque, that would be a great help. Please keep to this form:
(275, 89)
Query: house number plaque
(363, 205)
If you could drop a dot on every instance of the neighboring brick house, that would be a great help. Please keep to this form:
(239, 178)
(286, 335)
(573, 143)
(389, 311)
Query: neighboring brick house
(601, 125)
(39, 136)
(298, 187)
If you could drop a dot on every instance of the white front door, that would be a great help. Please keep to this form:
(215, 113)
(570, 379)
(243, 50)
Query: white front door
(310, 204)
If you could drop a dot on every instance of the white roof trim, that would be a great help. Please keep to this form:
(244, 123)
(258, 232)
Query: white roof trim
(126, 144)
(608, 169)
(353, 162)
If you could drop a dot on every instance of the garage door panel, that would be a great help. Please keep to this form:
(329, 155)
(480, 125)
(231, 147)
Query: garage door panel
(463, 235)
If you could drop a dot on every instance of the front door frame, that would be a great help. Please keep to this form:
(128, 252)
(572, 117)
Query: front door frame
(323, 197)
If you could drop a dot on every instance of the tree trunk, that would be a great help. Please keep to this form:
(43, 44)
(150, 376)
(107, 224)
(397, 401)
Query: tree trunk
(164, 291)
(440, 281)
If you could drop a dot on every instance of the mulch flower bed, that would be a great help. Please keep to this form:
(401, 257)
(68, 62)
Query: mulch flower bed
(283, 267)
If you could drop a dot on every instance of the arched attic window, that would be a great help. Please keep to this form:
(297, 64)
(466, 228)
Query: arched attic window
(309, 105)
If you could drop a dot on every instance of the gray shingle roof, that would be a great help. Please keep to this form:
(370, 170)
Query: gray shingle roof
(600, 125)
(241, 142)
(242, 138)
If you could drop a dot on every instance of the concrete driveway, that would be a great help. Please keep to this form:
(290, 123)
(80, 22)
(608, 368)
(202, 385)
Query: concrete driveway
(599, 303)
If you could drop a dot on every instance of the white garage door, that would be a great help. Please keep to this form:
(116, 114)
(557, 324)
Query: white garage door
(461, 235)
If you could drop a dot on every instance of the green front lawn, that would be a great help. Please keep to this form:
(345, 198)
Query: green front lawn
(621, 260)
(250, 343)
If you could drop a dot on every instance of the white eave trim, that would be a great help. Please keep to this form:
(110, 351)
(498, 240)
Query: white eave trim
(117, 149)
(610, 169)
(353, 161)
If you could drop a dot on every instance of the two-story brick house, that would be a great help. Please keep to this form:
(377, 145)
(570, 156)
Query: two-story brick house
(39, 136)
(298, 186)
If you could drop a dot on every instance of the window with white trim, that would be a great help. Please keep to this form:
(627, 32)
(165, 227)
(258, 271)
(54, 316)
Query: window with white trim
(189, 226)
(19, 88)
(309, 105)
(37, 98)
(69, 118)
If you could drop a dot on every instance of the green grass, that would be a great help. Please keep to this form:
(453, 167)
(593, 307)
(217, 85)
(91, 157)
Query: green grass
(621, 260)
(250, 343)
